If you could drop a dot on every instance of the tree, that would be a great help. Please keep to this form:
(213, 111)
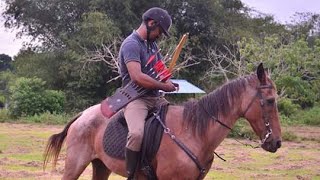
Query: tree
(305, 25)
(6, 79)
(46, 21)
(5, 62)
(69, 29)
(294, 66)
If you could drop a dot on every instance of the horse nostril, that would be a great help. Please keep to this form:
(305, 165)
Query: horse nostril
(278, 144)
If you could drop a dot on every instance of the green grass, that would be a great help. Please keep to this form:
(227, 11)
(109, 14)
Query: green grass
(44, 118)
(289, 136)
(22, 146)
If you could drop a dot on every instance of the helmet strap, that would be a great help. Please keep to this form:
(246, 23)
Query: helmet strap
(149, 29)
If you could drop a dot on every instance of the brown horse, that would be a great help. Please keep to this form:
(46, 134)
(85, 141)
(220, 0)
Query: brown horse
(200, 125)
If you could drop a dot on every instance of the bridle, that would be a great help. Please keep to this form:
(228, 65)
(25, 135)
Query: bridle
(265, 116)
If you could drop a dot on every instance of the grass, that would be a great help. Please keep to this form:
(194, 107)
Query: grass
(289, 136)
(21, 158)
(22, 146)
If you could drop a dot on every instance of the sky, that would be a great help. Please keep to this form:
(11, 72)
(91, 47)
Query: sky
(282, 10)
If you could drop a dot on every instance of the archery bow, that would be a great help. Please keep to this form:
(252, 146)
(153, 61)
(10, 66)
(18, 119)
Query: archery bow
(177, 52)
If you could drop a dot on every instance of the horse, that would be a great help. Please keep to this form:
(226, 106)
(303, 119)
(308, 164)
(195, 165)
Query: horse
(200, 125)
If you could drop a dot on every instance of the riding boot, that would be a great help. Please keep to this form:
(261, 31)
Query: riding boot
(132, 158)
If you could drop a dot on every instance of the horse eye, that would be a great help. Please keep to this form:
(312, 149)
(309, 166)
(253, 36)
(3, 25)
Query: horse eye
(270, 101)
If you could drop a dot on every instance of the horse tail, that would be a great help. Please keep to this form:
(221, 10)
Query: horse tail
(54, 144)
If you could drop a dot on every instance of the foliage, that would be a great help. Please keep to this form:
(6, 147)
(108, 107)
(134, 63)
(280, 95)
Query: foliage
(29, 97)
(6, 78)
(242, 129)
(69, 30)
(5, 62)
(287, 107)
(94, 29)
(293, 65)
(304, 24)
(308, 117)
(4, 115)
(289, 136)
(42, 65)
(47, 118)
(45, 20)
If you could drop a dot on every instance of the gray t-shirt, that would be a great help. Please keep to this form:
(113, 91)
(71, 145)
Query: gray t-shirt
(134, 48)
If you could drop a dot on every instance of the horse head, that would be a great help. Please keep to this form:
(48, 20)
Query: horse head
(260, 109)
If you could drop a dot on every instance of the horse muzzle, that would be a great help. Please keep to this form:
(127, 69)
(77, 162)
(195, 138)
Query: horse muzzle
(271, 146)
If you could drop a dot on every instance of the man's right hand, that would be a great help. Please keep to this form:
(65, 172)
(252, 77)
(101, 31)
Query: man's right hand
(169, 86)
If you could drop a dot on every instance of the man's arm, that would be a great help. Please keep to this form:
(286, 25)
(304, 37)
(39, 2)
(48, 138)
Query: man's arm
(138, 77)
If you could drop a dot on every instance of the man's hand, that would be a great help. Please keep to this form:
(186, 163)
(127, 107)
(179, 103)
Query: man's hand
(169, 86)
(176, 85)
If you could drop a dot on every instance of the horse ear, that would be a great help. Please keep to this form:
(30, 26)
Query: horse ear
(261, 74)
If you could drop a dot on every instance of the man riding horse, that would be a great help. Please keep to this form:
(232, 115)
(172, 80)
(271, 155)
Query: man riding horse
(134, 54)
(192, 131)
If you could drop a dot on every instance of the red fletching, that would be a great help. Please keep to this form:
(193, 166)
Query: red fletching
(151, 58)
(159, 66)
(165, 75)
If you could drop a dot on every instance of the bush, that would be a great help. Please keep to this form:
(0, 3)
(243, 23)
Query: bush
(285, 120)
(298, 89)
(242, 129)
(308, 117)
(287, 107)
(29, 97)
(4, 115)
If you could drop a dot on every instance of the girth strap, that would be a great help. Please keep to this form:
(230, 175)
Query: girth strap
(183, 147)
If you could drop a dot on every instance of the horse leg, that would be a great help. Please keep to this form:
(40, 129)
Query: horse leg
(77, 159)
(99, 170)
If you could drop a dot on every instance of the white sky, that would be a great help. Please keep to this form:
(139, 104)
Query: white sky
(281, 9)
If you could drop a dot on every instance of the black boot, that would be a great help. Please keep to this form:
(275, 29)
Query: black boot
(132, 158)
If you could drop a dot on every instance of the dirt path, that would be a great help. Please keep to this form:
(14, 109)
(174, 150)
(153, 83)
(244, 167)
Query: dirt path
(21, 147)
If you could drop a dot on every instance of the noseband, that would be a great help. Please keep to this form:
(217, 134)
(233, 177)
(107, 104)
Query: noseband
(265, 114)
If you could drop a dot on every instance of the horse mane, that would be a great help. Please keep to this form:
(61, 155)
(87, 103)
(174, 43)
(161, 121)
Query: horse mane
(197, 114)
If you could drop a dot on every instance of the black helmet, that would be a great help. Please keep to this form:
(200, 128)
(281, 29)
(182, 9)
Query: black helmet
(161, 16)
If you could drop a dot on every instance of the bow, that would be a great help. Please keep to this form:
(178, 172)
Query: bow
(177, 52)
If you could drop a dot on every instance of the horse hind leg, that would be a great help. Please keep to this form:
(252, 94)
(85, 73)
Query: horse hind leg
(77, 159)
(99, 170)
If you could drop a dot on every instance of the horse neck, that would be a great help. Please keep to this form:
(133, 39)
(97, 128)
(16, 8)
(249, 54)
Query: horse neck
(217, 132)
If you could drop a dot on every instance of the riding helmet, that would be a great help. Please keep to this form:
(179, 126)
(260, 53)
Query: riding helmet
(161, 17)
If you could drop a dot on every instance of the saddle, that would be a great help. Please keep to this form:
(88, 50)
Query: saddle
(115, 137)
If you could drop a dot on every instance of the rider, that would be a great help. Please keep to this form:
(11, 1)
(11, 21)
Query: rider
(134, 52)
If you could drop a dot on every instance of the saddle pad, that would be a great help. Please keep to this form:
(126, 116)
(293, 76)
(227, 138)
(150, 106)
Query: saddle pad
(115, 138)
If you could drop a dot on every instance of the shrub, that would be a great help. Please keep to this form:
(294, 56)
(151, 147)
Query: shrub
(297, 89)
(308, 117)
(29, 97)
(242, 129)
(287, 107)
(4, 115)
